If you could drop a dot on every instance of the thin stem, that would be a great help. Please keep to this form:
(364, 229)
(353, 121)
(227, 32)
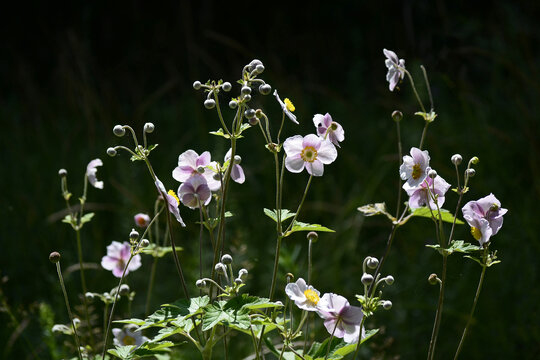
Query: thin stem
(218, 108)
(66, 300)
(200, 241)
(438, 315)
(300, 205)
(254, 339)
(414, 90)
(478, 290)
(400, 156)
(281, 127)
(83, 283)
(424, 132)
(359, 338)
(151, 285)
(428, 87)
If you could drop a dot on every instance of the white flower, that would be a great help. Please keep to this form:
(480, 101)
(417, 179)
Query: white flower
(91, 170)
(305, 296)
(128, 336)
(287, 107)
(396, 68)
(310, 152)
(414, 167)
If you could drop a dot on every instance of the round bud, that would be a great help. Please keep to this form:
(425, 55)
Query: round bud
(226, 259)
(367, 279)
(119, 131)
(111, 152)
(253, 121)
(145, 243)
(313, 236)
(253, 64)
(475, 160)
(226, 86)
(220, 268)
(387, 305)
(197, 85)
(432, 173)
(209, 103)
(216, 177)
(238, 281)
(289, 277)
(258, 113)
(259, 68)
(265, 89)
(149, 127)
(133, 235)
(372, 262)
(54, 257)
(76, 322)
(456, 159)
(89, 296)
(237, 159)
(397, 115)
(246, 90)
(200, 169)
(247, 98)
(107, 297)
(433, 279)
(389, 280)
(62, 172)
(242, 273)
(249, 113)
(201, 284)
(233, 104)
(124, 290)
(470, 172)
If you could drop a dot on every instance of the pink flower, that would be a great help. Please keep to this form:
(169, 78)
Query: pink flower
(419, 197)
(142, 220)
(237, 173)
(396, 68)
(128, 336)
(306, 297)
(194, 191)
(172, 201)
(310, 152)
(340, 318)
(414, 167)
(190, 163)
(485, 217)
(329, 129)
(91, 170)
(117, 257)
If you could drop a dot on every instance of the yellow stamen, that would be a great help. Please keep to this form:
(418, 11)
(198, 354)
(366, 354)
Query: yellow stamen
(476, 233)
(128, 340)
(289, 104)
(311, 296)
(416, 171)
(309, 154)
(174, 195)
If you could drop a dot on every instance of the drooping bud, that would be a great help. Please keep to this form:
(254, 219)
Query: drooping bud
(226, 86)
(470, 172)
(389, 280)
(237, 159)
(249, 113)
(456, 159)
(433, 279)
(111, 152)
(62, 172)
(197, 85)
(209, 103)
(220, 268)
(247, 98)
(313, 236)
(259, 69)
(201, 284)
(89, 296)
(372, 262)
(265, 89)
(145, 243)
(397, 115)
(226, 259)
(149, 127)
(253, 121)
(233, 104)
(387, 305)
(246, 90)
(54, 257)
(124, 290)
(119, 131)
(367, 279)
(242, 273)
(475, 160)
(238, 281)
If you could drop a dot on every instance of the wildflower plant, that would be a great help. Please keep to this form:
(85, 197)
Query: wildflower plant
(215, 306)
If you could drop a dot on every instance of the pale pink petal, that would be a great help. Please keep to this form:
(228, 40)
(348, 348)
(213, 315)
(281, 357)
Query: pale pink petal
(293, 145)
(108, 262)
(327, 152)
(315, 168)
(237, 174)
(203, 160)
(311, 140)
(294, 164)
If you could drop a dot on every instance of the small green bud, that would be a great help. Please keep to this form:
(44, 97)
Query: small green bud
(397, 115)
(475, 160)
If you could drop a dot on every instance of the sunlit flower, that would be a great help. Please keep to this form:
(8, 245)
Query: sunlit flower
(485, 217)
(329, 129)
(142, 220)
(305, 296)
(310, 152)
(419, 196)
(172, 201)
(128, 336)
(191, 163)
(237, 173)
(340, 318)
(118, 255)
(396, 68)
(414, 167)
(194, 191)
(287, 107)
(91, 170)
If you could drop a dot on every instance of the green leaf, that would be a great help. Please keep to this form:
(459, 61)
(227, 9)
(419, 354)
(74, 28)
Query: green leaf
(135, 321)
(446, 215)
(221, 313)
(68, 219)
(456, 246)
(285, 214)
(376, 209)
(338, 348)
(123, 352)
(87, 217)
(159, 251)
(192, 306)
(429, 117)
(300, 226)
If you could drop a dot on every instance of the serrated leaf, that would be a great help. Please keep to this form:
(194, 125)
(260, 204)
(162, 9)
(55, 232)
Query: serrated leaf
(338, 348)
(445, 214)
(123, 352)
(456, 246)
(285, 214)
(192, 306)
(159, 251)
(300, 226)
(221, 133)
(221, 313)
(135, 321)
(376, 209)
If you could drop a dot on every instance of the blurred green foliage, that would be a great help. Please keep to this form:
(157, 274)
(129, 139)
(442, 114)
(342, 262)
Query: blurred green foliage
(70, 73)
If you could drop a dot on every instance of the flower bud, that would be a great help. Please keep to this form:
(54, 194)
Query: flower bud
(387, 305)
(220, 268)
(149, 127)
(201, 284)
(259, 68)
(242, 273)
(367, 279)
(258, 113)
(389, 280)
(253, 121)
(141, 220)
(246, 90)
(372, 262)
(216, 176)
(470, 172)
(289, 277)
(233, 104)
(197, 85)
(433, 279)
(76, 322)
(54, 257)
(397, 115)
(226, 259)
(249, 113)
(124, 290)
(432, 173)
(456, 159)
(253, 64)
(89, 296)
(209, 103)
(145, 243)
(133, 235)
(238, 281)
(111, 152)
(226, 86)
(265, 89)
(313, 236)
(62, 172)
(119, 130)
(237, 159)
(475, 160)
(247, 98)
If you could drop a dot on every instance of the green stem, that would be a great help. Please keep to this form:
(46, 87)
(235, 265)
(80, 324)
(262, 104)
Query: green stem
(66, 300)
(414, 90)
(83, 283)
(300, 205)
(400, 157)
(438, 315)
(151, 285)
(331, 338)
(218, 108)
(359, 338)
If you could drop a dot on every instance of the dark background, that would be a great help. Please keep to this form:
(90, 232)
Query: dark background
(70, 72)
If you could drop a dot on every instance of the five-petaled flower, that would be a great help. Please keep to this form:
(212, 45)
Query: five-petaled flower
(396, 68)
(117, 257)
(310, 152)
(287, 107)
(141, 220)
(329, 129)
(305, 296)
(340, 318)
(485, 217)
(91, 170)
(420, 197)
(191, 163)
(128, 336)
(195, 191)
(414, 167)
(172, 201)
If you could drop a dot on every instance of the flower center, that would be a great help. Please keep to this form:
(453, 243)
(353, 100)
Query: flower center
(128, 340)
(416, 171)
(309, 154)
(311, 296)
(174, 196)
(289, 104)
(476, 233)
